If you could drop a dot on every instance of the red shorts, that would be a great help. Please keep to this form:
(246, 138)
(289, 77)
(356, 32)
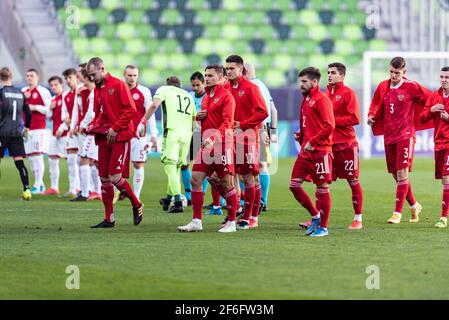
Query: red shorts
(318, 170)
(222, 164)
(400, 155)
(441, 163)
(247, 159)
(346, 162)
(113, 158)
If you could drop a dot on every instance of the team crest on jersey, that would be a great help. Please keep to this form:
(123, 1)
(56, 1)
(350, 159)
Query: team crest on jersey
(311, 102)
(34, 96)
(59, 102)
(401, 97)
(111, 91)
(241, 93)
(337, 98)
(136, 96)
(216, 100)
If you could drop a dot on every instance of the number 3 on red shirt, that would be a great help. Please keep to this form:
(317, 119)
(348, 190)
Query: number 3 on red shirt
(391, 107)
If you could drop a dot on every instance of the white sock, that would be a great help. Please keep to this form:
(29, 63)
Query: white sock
(255, 218)
(398, 213)
(73, 169)
(196, 221)
(415, 205)
(54, 173)
(317, 216)
(40, 170)
(84, 180)
(358, 217)
(95, 179)
(444, 219)
(139, 176)
(33, 169)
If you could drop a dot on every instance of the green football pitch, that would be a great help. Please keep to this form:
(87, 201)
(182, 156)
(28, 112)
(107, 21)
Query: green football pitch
(40, 238)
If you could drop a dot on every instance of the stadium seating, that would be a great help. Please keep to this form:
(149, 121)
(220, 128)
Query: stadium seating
(179, 36)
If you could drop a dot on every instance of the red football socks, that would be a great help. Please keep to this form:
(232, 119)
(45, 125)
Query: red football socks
(445, 203)
(324, 199)
(250, 194)
(197, 203)
(124, 187)
(257, 197)
(231, 204)
(410, 197)
(357, 196)
(107, 196)
(303, 198)
(401, 193)
(215, 196)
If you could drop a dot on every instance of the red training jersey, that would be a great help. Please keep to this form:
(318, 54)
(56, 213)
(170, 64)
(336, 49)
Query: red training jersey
(220, 114)
(441, 133)
(114, 108)
(39, 96)
(346, 113)
(250, 108)
(316, 122)
(56, 114)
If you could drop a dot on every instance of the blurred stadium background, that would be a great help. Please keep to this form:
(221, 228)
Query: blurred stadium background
(178, 37)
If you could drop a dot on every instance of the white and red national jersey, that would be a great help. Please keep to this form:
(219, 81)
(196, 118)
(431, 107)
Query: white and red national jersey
(142, 98)
(83, 103)
(89, 114)
(56, 114)
(41, 98)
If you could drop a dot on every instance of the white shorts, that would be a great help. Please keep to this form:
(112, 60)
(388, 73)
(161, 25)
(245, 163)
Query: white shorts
(139, 149)
(89, 149)
(57, 147)
(37, 142)
(71, 143)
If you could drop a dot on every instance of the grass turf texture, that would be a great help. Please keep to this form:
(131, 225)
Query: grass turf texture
(39, 239)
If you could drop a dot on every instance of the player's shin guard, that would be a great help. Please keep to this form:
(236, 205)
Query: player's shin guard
(197, 203)
(138, 178)
(107, 196)
(445, 202)
(186, 175)
(264, 178)
(410, 197)
(123, 186)
(23, 172)
(72, 164)
(257, 197)
(250, 194)
(54, 173)
(303, 198)
(324, 199)
(401, 193)
(357, 196)
(84, 180)
(231, 204)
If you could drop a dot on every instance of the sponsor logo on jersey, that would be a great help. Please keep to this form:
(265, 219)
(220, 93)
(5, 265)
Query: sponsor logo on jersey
(241, 93)
(337, 97)
(14, 95)
(111, 91)
(136, 96)
(401, 97)
(321, 177)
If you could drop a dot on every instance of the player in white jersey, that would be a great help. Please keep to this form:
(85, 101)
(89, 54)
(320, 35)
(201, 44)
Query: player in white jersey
(139, 146)
(39, 99)
(90, 186)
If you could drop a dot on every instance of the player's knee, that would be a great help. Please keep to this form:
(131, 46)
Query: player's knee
(115, 178)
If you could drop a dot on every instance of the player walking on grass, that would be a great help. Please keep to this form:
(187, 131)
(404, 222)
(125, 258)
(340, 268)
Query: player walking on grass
(12, 106)
(217, 150)
(345, 148)
(250, 112)
(395, 112)
(437, 109)
(38, 99)
(314, 162)
(113, 127)
(178, 114)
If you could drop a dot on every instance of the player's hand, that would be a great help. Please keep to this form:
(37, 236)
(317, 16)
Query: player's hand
(89, 127)
(111, 135)
(437, 108)
(53, 105)
(371, 120)
(32, 107)
(59, 134)
(82, 131)
(67, 121)
(27, 94)
(153, 144)
(308, 147)
(25, 132)
(444, 115)
(297, 136)
(274, 138)
(201, 115)
(206, 143)
(140, 130)
(264, 137)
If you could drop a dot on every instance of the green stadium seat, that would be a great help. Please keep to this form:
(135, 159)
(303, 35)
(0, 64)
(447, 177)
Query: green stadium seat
(342, 17)
(142, 61)
(240, 46)
(291, 47)
(265, 5)
(319, 61)
(76, 3)
(178, 61)
(318, 33)
(108, 58)
(101, 16)
(248, 57)
(151, 77)
(144, 31)
(264, 61)
(344, 47)
(153, 46)
(326, 16)
(135, 46)
(229, 31)
(169, 46)
(196, 4)
(203, 46)
(100, 45)
(274, 46)
(159, 61)
(136, 17)
(213, 32)
(265, 32)
(188, 16)
(349, 5)
(86, 15)
(256, 17)
(257, 45)
(300, 4)
(360, 47)
(238, 17)
(119, 15)
(282, 61)
(153, 16)
(274, 16)
(196, 62)
(358, 17)
(81, 45)
(84, 56)
(116, 45)
(122, 60)
(352, 32)
(59, 4)
(290, 18)
(215, 4)
(111, 4)
(334, 31)
(94, 4)
(73, 33)
(221, 46)
(91, 29)
(352, 59)
(309, 17)
(249, 4)
(108, 31)
(274, 78)
(132, 4)
(317, 4)
(334, 58)
(283, 5)
(115, 71)
(231, 4)
(308, 47)
(246, 32)
(171, 17)
(299, 32)
(327, 46)
(300, 61)
(126, 30)
(378, 45)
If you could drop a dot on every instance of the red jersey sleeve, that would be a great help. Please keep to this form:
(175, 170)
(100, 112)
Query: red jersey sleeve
(352, 117)
(427, 114)
(260, 112)
(376, 102)
(127, 108)
(326, 114)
